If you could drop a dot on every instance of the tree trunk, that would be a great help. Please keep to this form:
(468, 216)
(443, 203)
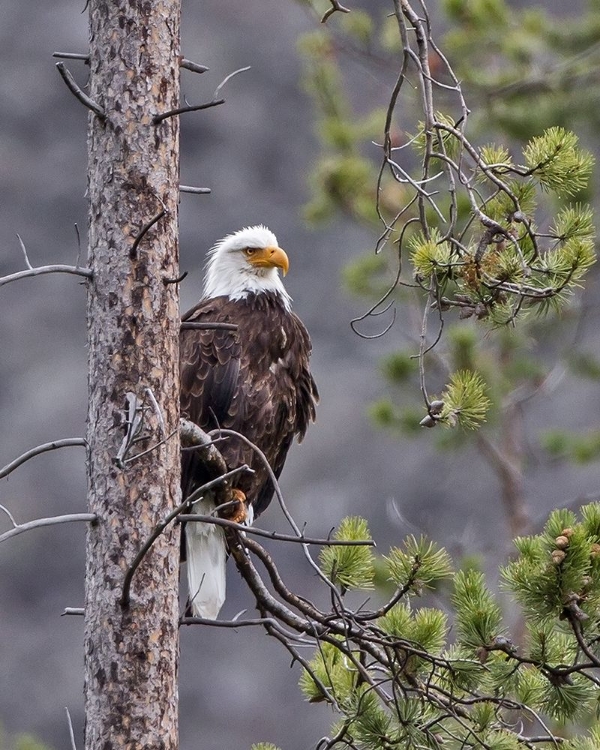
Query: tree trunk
(131, 649)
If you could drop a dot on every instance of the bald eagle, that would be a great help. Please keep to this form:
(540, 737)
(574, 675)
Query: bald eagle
(254, 380)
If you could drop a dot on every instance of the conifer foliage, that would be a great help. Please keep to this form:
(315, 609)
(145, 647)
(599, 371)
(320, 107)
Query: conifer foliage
(407, 676)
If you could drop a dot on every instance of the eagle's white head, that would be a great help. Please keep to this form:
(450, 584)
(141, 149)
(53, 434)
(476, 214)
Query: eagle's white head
(244, 263)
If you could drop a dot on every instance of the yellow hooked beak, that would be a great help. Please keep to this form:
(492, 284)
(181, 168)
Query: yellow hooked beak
(268, 257)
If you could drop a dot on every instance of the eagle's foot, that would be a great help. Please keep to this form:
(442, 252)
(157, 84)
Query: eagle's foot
(237, 507)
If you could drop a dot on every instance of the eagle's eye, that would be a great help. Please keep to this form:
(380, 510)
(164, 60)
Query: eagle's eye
(249, 251)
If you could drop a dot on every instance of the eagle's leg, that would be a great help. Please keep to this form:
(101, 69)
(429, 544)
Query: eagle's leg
(237, 507)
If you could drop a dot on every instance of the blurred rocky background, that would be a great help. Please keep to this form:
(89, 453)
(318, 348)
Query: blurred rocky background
(255, 153)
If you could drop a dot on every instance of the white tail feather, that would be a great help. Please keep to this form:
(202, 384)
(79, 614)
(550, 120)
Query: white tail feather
(206, 561)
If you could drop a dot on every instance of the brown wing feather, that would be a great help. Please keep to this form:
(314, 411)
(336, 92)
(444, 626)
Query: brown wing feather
(255, 381)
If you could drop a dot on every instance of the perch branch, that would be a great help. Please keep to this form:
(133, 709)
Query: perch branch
(160, 527)
(200, 518)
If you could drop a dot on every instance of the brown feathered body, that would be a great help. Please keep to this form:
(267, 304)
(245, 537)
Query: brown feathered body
(255, 380)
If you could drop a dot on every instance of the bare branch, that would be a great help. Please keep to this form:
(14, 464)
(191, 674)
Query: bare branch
(144, 230)
(209, 326)
(73, 611)
(71, 733)
(232, 624)
(73, 56)
(194, 190)
(157, 119)
(228, 78)
(78, 93)
(200, 518)
(194, 67)
(54, 445)
(336, 7)
(214, 102)
(160, 527)
(51, 521)
(24, 250)
(193, 436)
(59, 268)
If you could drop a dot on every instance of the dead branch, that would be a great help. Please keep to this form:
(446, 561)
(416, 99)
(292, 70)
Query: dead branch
(144, 230)
(336, 7)
(200, 518)
(194, 67)
(192, 436)
(21, 528)
(209, 326)
(160, 527)
(43, 448)
(71, 733)
(40, 270)
(157, 119)
(194, 190)
(80, 95)
(214, 102)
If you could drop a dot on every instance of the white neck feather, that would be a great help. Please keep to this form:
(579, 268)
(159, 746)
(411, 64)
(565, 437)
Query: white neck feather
(229, 275)
(238, 283)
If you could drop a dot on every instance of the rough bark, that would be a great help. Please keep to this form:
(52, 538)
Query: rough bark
(131, 651)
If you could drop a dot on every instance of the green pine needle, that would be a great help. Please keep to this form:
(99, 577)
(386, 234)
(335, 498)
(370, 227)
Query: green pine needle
(430, 255)
(349, 567)
(418, 564)
(465, 400)
(478, 617)
(574, 221)
(556, 160)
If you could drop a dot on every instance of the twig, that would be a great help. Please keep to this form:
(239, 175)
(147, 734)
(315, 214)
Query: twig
(194, 190)
(157, 411)
(71, 733)
(233, 624)
(24, 251)
(176, 280)
(144, 230)
(200, 518)
(278, 494)
(160, 527)
(133, 422)
(194, 67)
(336, 6)
(228, 78)
(214, 102)
(58, 268)
(51, 521)
(157, 119)
(78, 93)
(72, 56)
(54, 445)
(74, 611)
(209, 326)
(196, 494)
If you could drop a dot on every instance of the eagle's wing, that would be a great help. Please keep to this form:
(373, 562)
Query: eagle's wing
(209, 372)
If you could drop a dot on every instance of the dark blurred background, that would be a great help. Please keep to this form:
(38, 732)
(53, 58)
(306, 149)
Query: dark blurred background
(254, 153)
